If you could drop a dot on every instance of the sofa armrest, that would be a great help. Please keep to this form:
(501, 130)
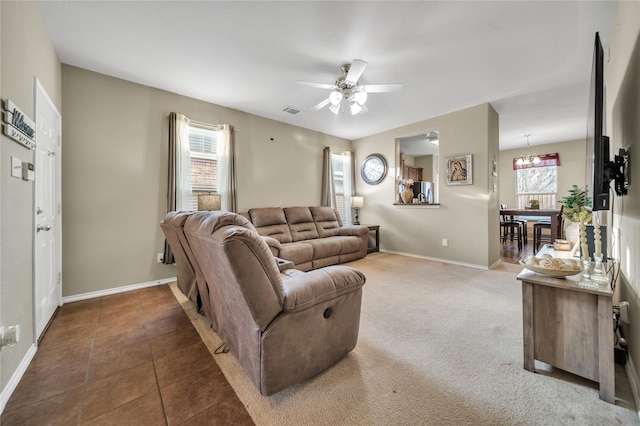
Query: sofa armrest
(355, 230)
(304, 291)
(284, 264)
(274, 245)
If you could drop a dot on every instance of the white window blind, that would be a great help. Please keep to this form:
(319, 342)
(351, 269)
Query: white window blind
(203, 145)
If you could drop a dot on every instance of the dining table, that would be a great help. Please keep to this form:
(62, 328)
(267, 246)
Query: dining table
(553, 214)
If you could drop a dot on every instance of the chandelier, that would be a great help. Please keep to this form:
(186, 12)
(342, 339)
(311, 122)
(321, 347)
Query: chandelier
(347, 94)
(527, 157)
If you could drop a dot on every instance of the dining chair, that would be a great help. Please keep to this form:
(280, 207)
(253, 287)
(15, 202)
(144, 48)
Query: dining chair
(539, 237)
(510, 228)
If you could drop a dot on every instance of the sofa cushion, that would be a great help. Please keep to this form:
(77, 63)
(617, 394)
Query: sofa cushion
(299, 252)
(326, 220)
(271, 222)
(308, 290)
(349, 244)
(325, 247)
(301, 224)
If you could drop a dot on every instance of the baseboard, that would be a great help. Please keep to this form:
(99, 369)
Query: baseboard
(115, 290)
(495, 264)
(631, 375)
(16, 377)
(437, 259)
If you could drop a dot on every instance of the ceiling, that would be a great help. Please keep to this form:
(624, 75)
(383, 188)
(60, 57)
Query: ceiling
(531, 60)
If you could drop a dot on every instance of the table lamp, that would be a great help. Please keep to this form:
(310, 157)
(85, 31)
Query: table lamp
(357, 203)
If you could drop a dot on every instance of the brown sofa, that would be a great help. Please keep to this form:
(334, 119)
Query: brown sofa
(283, 326)
(310, 237)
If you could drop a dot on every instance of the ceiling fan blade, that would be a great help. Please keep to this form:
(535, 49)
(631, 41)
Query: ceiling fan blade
(320, 105)
(317, 85)
(382, 88)
(355, 70)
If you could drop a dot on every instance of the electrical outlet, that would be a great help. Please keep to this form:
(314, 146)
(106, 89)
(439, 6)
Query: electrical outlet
(160, 257)
(445, 242)
(10, 335)
(624, 312)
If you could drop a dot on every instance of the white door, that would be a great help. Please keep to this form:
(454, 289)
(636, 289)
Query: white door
(48, 235)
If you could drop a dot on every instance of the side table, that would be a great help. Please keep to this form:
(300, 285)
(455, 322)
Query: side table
(374, 240)
(569, 327)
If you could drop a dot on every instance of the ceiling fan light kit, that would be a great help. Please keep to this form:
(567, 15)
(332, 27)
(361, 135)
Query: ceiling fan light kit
(346, 91)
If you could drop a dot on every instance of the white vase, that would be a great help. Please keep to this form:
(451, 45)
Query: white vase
(572, 232)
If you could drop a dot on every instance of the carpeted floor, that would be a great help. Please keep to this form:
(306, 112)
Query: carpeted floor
(439, 344)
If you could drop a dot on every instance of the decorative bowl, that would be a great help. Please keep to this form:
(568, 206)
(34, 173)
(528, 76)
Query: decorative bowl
(556, 273)
(563, 245)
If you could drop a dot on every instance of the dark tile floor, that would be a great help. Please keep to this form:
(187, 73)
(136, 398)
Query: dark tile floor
(128, 359)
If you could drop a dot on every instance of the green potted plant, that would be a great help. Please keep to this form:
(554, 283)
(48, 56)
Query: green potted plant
(575, 205)
(575, 209)
(534, 204)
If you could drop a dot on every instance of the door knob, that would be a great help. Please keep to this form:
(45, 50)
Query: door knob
(43, 228)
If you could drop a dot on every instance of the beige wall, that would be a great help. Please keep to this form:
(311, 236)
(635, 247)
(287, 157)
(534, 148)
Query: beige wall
(467, 216)
(115, 174)
(26, 52)
(622, 79)
(573, 156)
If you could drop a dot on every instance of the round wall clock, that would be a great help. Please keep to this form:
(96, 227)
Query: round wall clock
(374, 169)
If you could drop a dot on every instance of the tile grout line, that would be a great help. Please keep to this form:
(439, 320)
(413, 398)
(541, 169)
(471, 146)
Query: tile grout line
(86, 374)
(153, 363)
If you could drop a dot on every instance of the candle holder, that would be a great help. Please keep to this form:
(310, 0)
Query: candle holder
(586, 280)
(598, 272)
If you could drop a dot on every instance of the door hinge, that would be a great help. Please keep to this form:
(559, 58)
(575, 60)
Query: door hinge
(59, 278)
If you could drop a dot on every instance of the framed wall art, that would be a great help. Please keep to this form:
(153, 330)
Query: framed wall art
(460, 170)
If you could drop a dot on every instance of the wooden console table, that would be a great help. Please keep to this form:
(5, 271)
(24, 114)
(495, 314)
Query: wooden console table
(569, 327)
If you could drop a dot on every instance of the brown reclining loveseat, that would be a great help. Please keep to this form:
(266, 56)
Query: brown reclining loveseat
(282, 326)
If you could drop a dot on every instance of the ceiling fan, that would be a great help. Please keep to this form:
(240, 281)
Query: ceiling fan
(347, 93)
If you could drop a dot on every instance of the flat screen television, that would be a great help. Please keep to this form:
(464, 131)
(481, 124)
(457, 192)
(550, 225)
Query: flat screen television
(600, 169)
(597, 169)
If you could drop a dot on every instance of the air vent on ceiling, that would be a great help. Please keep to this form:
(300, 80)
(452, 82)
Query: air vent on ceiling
(290, 110)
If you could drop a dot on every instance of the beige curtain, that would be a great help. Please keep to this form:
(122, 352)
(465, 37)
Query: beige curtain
(352, 165)
(328, 193)
(227, 184)
(171, 184)
(349, 184)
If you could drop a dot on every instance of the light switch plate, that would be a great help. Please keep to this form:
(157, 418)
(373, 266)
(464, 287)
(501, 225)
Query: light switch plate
(16, 167)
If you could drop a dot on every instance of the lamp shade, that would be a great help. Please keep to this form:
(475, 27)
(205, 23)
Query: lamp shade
(335, 97)
(360, 97)
(357, 202)
(209, 202)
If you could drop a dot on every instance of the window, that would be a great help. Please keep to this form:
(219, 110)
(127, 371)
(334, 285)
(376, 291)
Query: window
(204, 162)
(342, 184)
(537, 183)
